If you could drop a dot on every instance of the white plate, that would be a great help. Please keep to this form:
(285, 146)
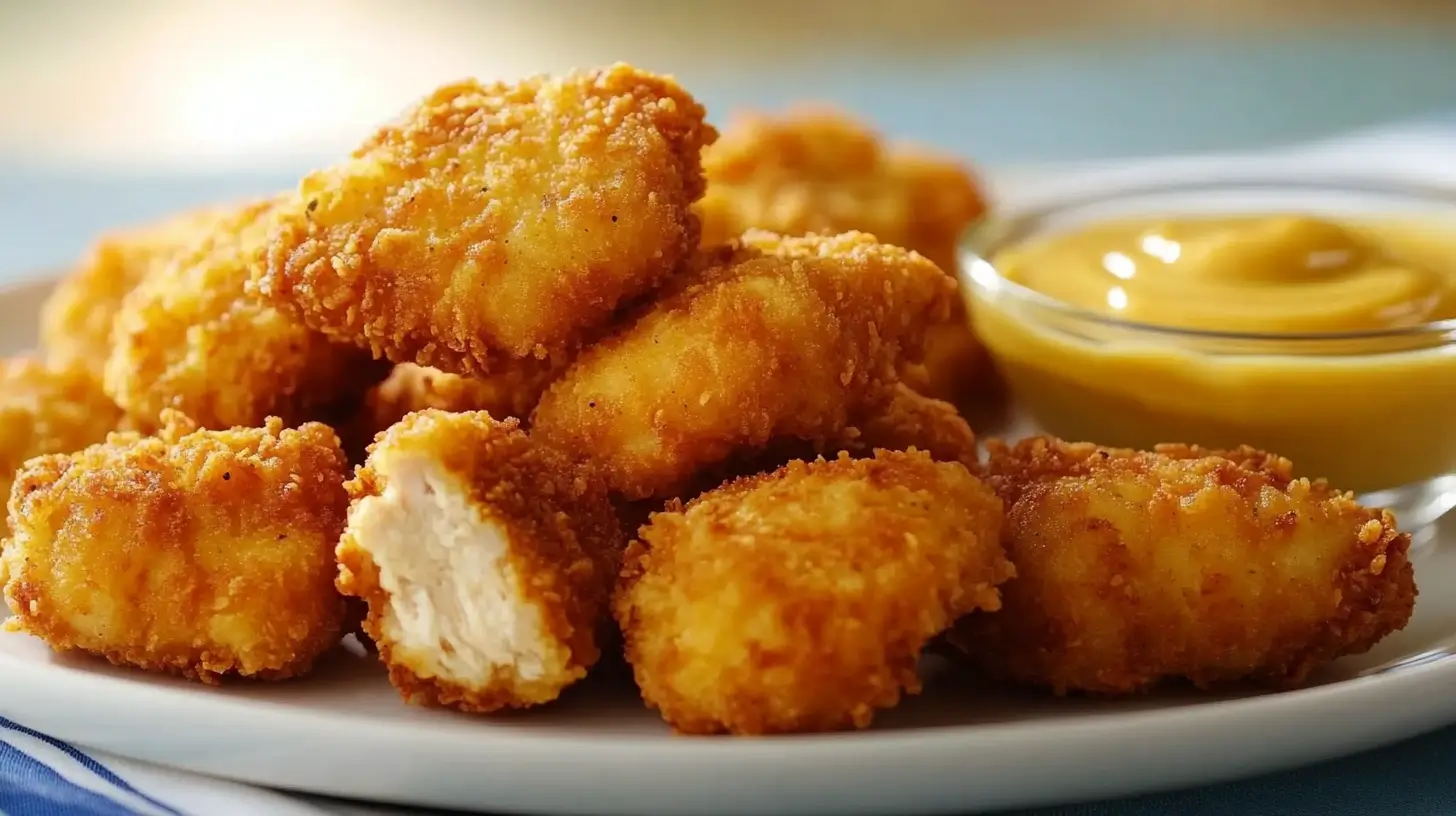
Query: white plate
(957, 748)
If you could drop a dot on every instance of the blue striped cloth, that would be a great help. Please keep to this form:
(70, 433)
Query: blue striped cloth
(41, 776)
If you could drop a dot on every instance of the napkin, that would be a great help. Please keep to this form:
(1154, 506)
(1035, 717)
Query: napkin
(42, 776)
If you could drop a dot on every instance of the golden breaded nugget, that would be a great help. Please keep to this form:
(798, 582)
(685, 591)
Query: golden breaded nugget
(494, 223)
(48, 410)
(903, 418)
(487, 563)
(801, 600)
(198, 553)
(821, 171)
(411, 388)
(1181, 563)
(189, 337)
(816, 170)
(766, 338)
(75, 322)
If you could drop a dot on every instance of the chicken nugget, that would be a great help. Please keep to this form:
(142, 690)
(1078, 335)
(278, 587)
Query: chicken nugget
(197, 553)
(1135, 567)
(497, 225)
(766, 338)
(75, 322)
(44, 409)
(487, 562)
(189, 337)
(817, 170)
(903, 418)
(801, 600)
(411, 388)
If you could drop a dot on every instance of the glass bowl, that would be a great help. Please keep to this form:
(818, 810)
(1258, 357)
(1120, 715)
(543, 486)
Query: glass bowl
(1372, 411)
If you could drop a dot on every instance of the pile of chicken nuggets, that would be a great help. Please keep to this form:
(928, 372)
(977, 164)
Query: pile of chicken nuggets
(549, 373)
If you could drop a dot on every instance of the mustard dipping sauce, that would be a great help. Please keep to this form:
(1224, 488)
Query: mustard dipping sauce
(1368, 414)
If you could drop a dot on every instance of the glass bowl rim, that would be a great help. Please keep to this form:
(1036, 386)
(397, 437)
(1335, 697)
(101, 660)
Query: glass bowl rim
(976, 271)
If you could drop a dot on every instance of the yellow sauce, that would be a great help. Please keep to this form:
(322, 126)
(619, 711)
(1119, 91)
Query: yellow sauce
(1367, 414)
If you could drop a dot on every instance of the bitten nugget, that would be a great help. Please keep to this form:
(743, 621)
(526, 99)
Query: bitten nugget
(190, 338)
(199, 553)
(486, 562)
(800, 600)
(497, 223)
(821, 171)
(48, 410)
(767, 338)
(75, 322)
(1181, 563)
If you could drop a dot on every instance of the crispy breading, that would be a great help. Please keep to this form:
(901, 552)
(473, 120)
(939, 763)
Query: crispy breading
(903, 418)
(44, 409)
(487, 562)
(766, 338)
(1135, 567)
(818, 170)
(411, 388)
(198, 553)
(800, 600)
(75, 322)
(497, 225)
(189, 337)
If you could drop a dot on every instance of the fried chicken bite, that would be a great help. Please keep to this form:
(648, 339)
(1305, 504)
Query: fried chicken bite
(197, 553)
(411, 388)
(487, 562)
(497, 225)
(800, 600)
(902, 418)
(766, 338)
(44, 409)
(189, 337)
(1136, 567)
(817, 170)
(75, 322)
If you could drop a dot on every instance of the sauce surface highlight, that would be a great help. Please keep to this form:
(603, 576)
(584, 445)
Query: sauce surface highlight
(1275, 274)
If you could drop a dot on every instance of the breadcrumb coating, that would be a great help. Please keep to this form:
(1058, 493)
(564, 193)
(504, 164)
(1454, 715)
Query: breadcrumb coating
(411, 388)
(44, 409)
(1216, 567)
(497, 225)
(766, 338)
(75, 322)
(189, 337)
(487, 562)
(800, 600)
(197, 553)
(818, 170)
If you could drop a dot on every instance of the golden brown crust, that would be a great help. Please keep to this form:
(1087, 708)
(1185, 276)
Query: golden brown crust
(189, 337)
(44, 410)
(1135, 567)
(800, 600)
(765, 338)
(902, 419)
(817, 170)
(411, 388)
(497, 225)
(75, 322)
(198, 553)
(566, 545)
